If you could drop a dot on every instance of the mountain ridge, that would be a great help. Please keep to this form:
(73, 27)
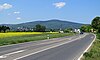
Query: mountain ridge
(50, 24)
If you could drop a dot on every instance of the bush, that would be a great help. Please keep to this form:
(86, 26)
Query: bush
(87, 54)
(98, 36)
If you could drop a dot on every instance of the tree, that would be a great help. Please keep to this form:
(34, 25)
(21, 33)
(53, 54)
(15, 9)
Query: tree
(4, 28)
(39, 28)
(0, 28)
(99, 29)
(68, 30)
(95, 22)
(86, 28)
(43, 28)
(83, 28)
(52, 30)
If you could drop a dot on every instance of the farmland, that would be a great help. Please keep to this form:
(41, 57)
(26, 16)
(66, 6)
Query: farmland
(11, 34)
(20, 37)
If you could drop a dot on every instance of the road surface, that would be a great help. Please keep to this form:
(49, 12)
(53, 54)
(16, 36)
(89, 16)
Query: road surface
(65, 48)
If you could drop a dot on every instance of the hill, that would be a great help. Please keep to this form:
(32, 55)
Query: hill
(50, 24)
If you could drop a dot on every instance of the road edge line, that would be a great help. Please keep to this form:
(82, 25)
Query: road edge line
(87, 47)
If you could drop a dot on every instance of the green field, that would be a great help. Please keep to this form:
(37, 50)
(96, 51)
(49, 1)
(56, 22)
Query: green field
(20, 37)
(94, 53)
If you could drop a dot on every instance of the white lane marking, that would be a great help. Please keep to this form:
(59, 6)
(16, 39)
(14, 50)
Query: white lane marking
(87, 47)
(46, 49)
(5, 55)
(34, 45)
(2, 57)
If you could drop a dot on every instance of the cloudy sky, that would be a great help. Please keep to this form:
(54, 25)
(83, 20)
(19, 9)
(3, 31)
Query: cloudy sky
(20, 11)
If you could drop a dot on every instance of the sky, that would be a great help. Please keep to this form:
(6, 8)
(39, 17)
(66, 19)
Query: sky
(21, 11)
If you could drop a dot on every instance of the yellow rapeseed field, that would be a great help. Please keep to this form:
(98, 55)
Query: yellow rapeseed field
(11, 34)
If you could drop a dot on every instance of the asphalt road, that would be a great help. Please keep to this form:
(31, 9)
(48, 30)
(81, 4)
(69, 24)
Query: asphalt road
(66, 48)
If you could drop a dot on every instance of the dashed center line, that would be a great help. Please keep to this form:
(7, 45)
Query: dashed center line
(4, 56)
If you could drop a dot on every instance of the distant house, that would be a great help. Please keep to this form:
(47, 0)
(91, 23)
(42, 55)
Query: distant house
(77, 30)
(24, 29)
(61, 31)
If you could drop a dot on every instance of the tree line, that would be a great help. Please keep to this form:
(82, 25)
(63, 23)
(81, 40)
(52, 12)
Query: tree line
(4, 28)
(95, 26)
(37, 28)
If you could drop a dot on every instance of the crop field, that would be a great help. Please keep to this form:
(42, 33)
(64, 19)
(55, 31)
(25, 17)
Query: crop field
(11, 34)
(20, 37)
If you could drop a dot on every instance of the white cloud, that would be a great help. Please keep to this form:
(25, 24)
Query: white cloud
(5, 6)
(59, 4)
(16, 12)
(18, 18)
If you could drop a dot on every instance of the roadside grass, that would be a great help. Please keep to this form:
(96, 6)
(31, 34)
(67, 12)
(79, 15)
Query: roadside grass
(30, 37)
(94, 53)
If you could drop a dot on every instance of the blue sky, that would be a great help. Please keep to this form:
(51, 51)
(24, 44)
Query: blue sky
(20, 11)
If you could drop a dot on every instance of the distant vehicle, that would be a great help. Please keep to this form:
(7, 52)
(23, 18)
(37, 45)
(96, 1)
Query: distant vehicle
(81, 32)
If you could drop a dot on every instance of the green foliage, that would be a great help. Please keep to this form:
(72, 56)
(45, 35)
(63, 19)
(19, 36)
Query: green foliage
(86, 28)
(98, 36)
(96, 24)
(98, 28)
(39, 28)
(4, 28)
(52, 30)
(87, 54)
(68, 30)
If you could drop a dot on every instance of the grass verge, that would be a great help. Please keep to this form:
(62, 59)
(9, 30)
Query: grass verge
(30, 37)
(94, 53)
